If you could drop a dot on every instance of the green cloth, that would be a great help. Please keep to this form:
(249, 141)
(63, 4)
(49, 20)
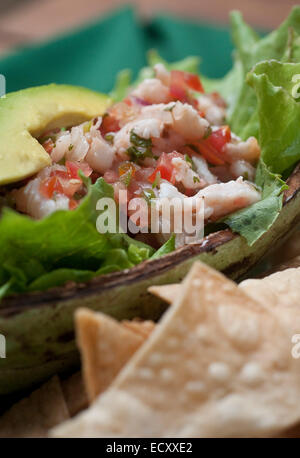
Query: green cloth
(93, 55)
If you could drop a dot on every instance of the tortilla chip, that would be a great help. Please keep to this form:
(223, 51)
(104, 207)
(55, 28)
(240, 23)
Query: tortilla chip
(35, 415)
(218, 365)
(167, 293)
(144, 328)
(280, 289)
(105, 346)
(74, 393)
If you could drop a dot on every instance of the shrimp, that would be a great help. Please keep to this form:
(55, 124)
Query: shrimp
(214, 113)
(152, 90)
(203, 170)
(248, 151)
(162, 74)
(224, 198)
(219, 199)
(183, 173)
(145, 128)
(187, 122)
(100, 155)
(72, 145)
(242, 169)
(29, 200)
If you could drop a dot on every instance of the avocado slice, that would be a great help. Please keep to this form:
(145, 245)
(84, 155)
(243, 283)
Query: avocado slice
(39, 326)
(26, 114)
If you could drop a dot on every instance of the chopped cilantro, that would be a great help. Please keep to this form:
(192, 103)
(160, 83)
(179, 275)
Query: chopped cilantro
(141, 147)
(70, 147)
(196, 180)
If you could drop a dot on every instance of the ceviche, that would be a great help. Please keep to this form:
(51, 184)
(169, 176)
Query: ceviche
(167, 138)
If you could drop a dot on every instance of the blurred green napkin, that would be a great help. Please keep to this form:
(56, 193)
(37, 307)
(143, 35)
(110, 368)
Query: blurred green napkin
(93, 55)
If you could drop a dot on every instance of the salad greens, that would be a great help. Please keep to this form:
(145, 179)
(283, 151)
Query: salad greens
(261, 98)
(64, 246)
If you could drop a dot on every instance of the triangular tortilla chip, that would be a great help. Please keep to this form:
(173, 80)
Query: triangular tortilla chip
(144, 328)
(105, 346)
(218, 365)
(168, 293)
(280, 289)
(35, 415)
(74, 393)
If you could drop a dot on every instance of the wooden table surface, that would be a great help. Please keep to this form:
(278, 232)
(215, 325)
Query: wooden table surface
(25, 21)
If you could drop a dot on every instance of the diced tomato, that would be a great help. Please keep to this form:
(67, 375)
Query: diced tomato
(181, 82)
(74, 167)
(51, 185)
(177, 86)
(212, 148)
(165, 167)
(219, 138)
(210, 154)
(109, 124)
(193, 81)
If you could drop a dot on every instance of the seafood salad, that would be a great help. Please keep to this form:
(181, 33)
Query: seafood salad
(167, 138)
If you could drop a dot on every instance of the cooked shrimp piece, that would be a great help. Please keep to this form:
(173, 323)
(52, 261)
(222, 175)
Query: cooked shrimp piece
(224, 198)
(62, 144)
(162, 74)
(72, 145)
(124, 113)
(183, 173)
(166, 189)
(100, 155)
(187, 122)
(219, 199)
(152, 90)
(203, 170)
(159, 111)
(214, 113)
(248, 151)
(145, 128)
(242, 169)
(29, 200)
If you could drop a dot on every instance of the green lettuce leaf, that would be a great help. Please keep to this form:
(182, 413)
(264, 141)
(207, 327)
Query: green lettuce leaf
(166, 248)
(64, 246)
(281, 44)
(252, 222)
(278, 113)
